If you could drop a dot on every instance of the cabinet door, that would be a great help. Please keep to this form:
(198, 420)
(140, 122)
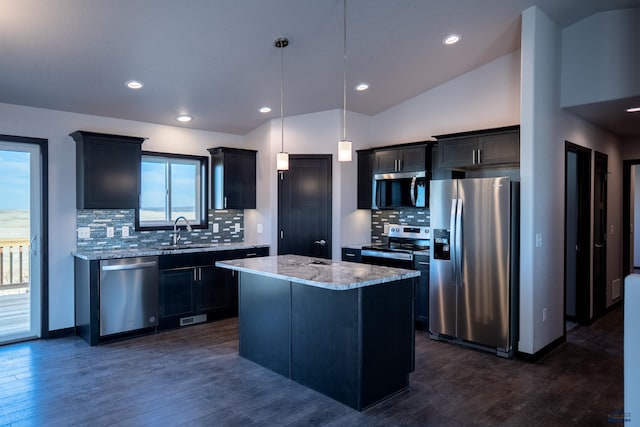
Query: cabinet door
(385, 161)
(240, 180)
(499, 148)
(365, 179)
(176, 295)
(108, 173)
(458, 152)
(413, 159)
(212, 294)
(421, 263)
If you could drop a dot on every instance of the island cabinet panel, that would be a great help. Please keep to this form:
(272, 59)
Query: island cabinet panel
(108, 170)
(265, 322)
(354, 345)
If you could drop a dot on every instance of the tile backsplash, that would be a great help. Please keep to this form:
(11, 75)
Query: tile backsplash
(97, 221)
(405, 216)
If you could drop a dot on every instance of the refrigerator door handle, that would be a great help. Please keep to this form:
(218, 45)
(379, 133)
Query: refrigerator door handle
(458, 244)
(452, 233)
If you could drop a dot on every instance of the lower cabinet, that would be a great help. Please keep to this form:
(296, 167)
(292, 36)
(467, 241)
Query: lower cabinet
(421, 263)
(351, 255)
(192, 290)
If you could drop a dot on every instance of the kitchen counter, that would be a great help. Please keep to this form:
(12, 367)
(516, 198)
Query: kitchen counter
(318, 272)
(343, 329)
(161, 250)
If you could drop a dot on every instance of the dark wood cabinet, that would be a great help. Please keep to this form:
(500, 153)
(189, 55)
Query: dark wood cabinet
(407, 159)
(351, 255)
(108, 170)
(492, 147)
(193, 290)
(233, 178)
(421, 263)
(365, 178)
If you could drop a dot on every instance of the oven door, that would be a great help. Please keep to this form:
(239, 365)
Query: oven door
(388, 258)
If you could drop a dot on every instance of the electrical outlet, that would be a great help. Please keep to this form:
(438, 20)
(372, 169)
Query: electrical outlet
(538, 240)
(236, 227)
(260, 229)
(109, 231)
(84, 233)
(544, 315)
(216, 227)
(125, 231)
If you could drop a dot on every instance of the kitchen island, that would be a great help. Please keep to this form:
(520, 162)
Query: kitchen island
(343, 329)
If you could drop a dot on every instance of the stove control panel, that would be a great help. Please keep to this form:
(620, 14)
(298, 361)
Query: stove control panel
(420, 232)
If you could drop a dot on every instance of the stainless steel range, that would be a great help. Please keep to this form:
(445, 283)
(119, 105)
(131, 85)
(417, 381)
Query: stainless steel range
(405, 241)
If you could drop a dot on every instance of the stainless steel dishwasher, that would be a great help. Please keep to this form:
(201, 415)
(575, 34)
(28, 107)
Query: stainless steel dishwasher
(128, 294)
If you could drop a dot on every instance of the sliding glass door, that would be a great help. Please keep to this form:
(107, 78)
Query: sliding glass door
(20, 239)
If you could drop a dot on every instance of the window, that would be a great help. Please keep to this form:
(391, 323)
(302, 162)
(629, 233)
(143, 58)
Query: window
(172, 186)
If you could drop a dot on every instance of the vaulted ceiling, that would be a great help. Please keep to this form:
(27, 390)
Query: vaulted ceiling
(215, 59)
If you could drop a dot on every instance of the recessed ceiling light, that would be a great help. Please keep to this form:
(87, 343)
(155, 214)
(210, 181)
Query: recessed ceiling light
(362, 86)
(633, 110)
(265, 109)
(451, 39)
(184, 118)
(134, 84)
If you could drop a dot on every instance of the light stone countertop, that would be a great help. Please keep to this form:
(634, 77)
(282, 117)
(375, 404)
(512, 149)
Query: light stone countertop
(322, 273)
(159, 250)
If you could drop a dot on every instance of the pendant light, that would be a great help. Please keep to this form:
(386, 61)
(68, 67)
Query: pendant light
(282, 158)
(344, 145)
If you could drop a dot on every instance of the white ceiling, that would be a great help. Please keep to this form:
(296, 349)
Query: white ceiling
(215, 59)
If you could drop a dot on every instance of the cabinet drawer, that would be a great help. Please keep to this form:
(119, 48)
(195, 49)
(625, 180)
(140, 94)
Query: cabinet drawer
(351, 255)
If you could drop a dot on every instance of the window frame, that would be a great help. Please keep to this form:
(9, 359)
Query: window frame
(204, 192)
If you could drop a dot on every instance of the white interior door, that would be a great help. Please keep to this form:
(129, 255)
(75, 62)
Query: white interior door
(20, 246)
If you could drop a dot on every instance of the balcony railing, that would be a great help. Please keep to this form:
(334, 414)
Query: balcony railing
(14, 264)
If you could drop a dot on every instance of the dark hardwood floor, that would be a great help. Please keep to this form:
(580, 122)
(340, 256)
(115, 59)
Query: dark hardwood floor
(194, 376)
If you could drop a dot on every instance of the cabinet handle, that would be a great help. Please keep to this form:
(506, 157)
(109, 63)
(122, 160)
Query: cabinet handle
(225, 202)
(479, 156)
(423, 263)
(195, 274)
(252, 254)
(349, 254)
(474, 157)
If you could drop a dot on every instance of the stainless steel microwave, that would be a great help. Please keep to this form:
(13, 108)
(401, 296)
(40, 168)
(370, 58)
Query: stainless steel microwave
(400, 189)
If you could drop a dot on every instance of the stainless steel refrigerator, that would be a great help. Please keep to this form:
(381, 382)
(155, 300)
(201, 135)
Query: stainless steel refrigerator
(473, 280)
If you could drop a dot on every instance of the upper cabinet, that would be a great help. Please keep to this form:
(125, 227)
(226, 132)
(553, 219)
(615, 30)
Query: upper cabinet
(108, 170)
(407, 159)
(233, 178)
(365, 178)
(493, 147)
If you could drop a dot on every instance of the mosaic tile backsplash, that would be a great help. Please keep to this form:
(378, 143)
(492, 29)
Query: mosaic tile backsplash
(98, 220)
(406, 216)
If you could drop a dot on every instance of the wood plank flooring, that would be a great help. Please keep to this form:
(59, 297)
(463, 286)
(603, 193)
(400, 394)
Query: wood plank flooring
(194, 377)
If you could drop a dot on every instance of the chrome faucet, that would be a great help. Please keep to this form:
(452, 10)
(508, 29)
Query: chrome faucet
(176, 232)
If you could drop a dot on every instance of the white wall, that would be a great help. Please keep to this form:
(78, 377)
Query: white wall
(55, 126)
(608, 68)
(545, 128)
(486, 97)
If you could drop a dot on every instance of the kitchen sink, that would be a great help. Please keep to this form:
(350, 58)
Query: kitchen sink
(185, 246)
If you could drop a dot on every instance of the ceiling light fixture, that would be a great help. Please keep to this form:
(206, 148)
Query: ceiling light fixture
(633, 110)
(344, 145)
(451, 39)
(184, 118)
(265, 110)
(282, 158)
(362, 86)
(134, 84)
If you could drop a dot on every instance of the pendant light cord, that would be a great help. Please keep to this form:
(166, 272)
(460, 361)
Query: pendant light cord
(282, 97)
(344, 82)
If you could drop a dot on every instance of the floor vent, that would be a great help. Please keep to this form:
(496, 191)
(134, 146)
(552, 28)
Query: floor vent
(200, 318)
(615, 289)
